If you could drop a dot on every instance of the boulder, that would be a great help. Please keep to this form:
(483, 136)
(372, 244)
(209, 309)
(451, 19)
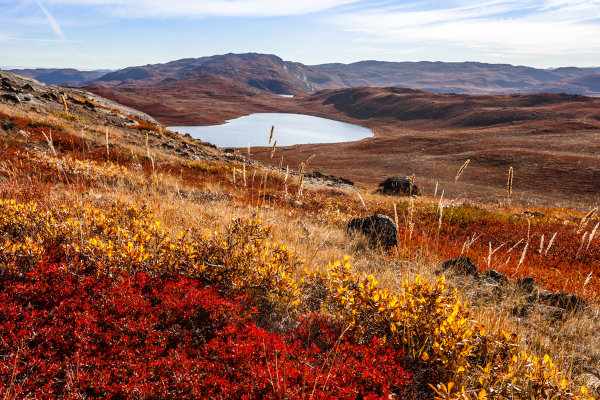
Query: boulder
(380, 230)
(11, 97)
(461, 265)
(398, 186)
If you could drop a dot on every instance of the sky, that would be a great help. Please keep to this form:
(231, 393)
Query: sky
(113, 34)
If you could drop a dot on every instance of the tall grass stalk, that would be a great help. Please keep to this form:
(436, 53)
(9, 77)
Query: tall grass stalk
(523, 254)
(586, 219)
(273, 149)
(460, 170)
(550, 243)
(509, 185)
(64, 103)
(592, 235)
(107, 149)
(244, 174)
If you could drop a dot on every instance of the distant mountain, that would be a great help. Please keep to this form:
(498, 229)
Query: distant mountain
(61, 76)
(262, 71)
(272, 74)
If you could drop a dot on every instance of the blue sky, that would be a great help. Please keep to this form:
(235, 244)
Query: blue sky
(111, 34)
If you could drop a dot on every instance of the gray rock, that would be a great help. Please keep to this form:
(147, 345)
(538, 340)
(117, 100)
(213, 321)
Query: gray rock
(526, 285)
(398, 186)
(461, 265)
(380, 230)
(11, 97)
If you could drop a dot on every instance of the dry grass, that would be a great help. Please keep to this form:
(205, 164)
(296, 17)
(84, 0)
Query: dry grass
(320, 238)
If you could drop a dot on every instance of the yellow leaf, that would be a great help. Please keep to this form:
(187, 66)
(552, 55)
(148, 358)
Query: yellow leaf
(546, 359)
(425, 356)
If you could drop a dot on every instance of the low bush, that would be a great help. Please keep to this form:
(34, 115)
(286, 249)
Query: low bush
(66, 335)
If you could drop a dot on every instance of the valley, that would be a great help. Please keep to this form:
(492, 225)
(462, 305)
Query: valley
(550, 139)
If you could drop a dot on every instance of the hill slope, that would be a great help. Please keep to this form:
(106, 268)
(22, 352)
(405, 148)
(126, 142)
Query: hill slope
(269, 72)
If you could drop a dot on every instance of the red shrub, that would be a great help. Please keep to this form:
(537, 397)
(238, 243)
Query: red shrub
(69, 336)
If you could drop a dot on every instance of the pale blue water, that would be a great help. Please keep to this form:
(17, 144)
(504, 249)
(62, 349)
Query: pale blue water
(290, 129)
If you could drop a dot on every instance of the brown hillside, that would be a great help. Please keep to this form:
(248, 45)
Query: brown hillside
(550, 139)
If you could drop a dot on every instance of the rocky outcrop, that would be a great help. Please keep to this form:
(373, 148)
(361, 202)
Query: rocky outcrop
(17, 89)
(529, 298)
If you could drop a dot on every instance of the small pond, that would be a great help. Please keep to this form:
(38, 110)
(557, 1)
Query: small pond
(290, 129)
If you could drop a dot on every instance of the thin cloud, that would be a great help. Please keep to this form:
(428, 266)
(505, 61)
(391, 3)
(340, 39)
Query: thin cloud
(207, 8)
(495, 27)
(53, 24)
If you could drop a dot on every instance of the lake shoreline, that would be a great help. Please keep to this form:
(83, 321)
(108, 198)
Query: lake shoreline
(289, 129)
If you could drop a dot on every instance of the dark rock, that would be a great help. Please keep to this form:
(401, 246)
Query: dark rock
(6, 125)
(9, 85)
(461, 265)
(398, 186)
(534, 214)
(567, 301)
(497, 277)
(268, 196)
(228, 151)
(526, 285)
(28, 88)
(380, 229)
(50, 96)
(11, 97)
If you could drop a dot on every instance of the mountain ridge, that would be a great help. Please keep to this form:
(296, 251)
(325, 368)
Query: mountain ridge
(271, 73)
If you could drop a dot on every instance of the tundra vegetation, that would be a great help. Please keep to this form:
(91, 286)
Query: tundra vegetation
(130, 271)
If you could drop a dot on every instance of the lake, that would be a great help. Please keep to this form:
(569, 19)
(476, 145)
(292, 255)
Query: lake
(290, 129)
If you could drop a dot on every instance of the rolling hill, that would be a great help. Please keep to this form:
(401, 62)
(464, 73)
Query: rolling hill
(270, 73)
